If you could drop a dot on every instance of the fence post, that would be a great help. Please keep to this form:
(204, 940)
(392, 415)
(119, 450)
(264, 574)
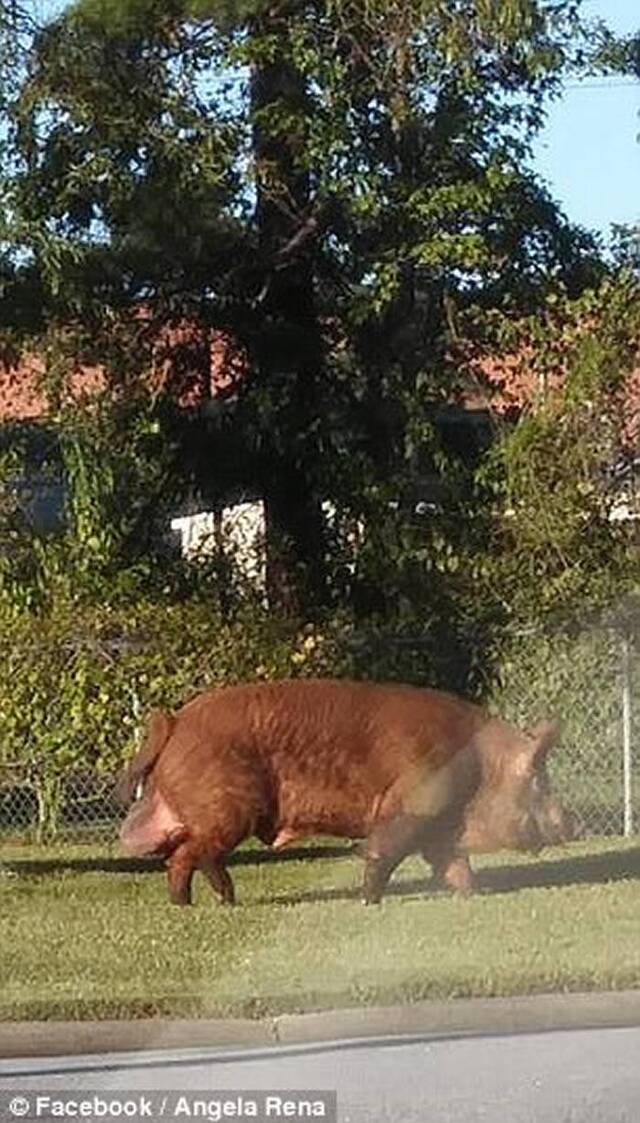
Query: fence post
(626, 738)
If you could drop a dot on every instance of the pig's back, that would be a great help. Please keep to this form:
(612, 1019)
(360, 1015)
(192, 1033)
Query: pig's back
(326, 727)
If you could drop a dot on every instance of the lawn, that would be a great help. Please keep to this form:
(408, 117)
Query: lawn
(84, 934)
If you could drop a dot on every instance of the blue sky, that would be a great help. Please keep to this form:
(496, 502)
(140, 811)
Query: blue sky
(589, 152)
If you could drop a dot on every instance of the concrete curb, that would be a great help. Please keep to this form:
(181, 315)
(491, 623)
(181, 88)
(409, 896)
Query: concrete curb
(474, 1016)
(457, 1017)
(56, 1039)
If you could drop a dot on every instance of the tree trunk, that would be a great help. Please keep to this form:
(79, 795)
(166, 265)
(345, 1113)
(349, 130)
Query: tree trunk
(294, 547)
(289, 349)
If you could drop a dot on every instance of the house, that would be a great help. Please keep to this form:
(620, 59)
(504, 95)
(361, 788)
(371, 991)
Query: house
(201, 365)
(27, 416)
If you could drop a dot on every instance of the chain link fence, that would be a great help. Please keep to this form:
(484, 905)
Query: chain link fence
(82, 810)
(590, 680)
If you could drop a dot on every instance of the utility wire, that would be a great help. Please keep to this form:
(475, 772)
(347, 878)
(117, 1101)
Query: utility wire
(616, 83)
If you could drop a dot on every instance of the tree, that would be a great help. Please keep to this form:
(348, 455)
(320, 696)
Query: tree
(558, 547)
(329, 182)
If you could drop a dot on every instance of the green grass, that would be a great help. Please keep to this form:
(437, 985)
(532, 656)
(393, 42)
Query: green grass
(85, 935)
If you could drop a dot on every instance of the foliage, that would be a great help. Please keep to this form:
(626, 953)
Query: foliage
(118, 469)
(626, 245)
(115, 465)
(554, 546)
(330, 184)
(20, 571)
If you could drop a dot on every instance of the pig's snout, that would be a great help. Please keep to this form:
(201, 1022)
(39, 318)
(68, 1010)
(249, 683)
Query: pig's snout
(563, 824)
(573, 826)
(558, 825)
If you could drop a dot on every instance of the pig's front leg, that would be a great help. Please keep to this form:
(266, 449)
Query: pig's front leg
(451, 868)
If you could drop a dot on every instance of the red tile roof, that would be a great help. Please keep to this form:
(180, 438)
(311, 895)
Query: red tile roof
(23, 397)
(504, 384)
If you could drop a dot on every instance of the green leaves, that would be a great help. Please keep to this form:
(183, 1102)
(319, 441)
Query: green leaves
(341, 189)
(556, 549)
(130, 144)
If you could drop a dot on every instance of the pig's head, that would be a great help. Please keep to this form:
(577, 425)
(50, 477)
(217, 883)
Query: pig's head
(514, 807)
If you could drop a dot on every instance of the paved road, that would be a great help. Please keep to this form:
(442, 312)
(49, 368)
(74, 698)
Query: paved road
(577, 1076)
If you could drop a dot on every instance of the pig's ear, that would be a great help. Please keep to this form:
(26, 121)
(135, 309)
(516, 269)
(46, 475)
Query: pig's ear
(542, 737)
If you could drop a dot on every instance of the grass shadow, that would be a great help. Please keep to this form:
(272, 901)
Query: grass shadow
(46, 866)
(590, 869)
(594, 869)
(586, 869)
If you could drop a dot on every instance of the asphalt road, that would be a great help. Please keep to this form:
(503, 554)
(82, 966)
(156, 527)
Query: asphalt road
(572, 1076)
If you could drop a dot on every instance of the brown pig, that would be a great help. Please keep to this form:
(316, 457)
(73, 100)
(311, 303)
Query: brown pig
(406, 769)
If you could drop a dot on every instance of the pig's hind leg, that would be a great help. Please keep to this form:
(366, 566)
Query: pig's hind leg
(181, 867)
(216, 873)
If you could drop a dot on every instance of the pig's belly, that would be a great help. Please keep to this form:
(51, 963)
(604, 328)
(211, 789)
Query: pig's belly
(302, 812)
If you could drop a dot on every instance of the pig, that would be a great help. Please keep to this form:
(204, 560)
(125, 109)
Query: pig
(408, 770)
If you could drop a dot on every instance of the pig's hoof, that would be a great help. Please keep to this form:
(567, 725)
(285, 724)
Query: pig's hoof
(463, 889)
